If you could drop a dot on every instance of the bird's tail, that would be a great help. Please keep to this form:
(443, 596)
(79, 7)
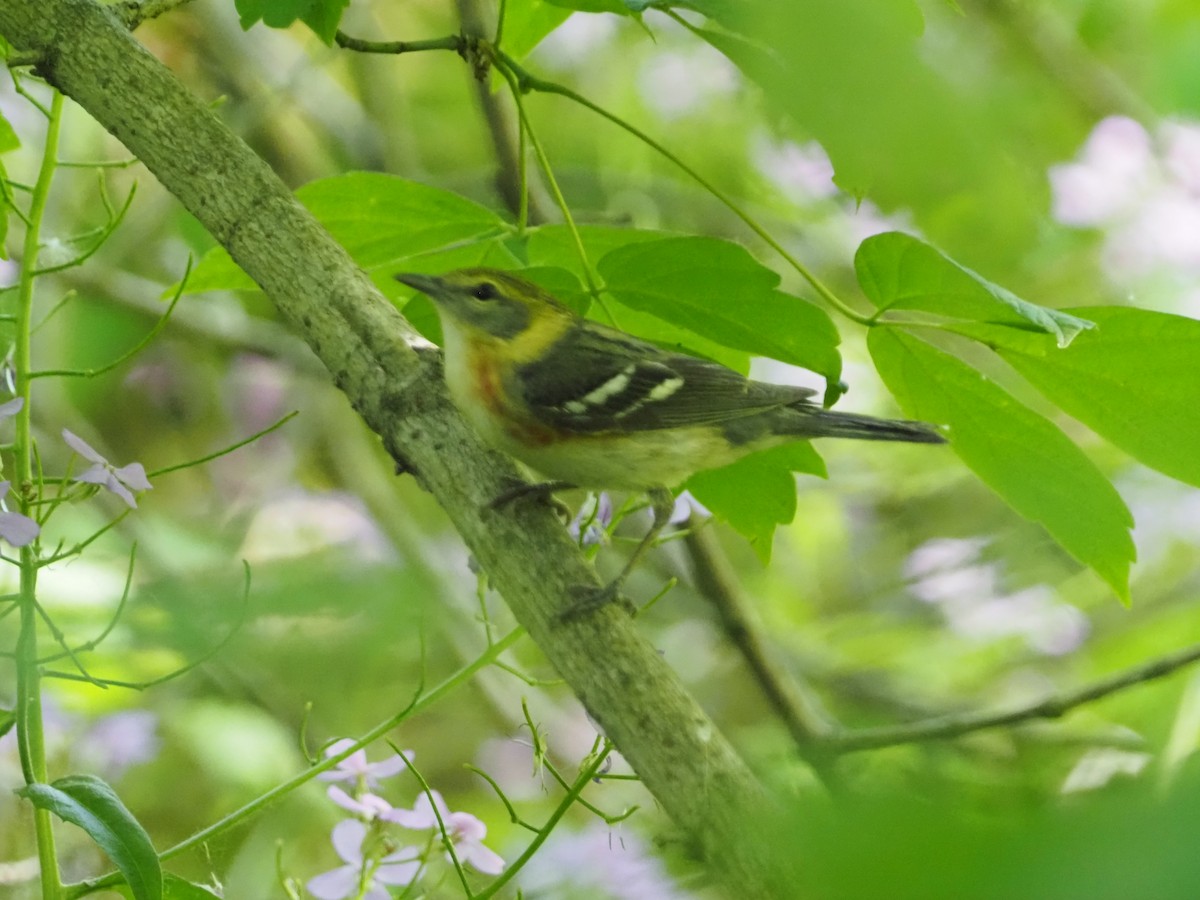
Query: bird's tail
(827, 423)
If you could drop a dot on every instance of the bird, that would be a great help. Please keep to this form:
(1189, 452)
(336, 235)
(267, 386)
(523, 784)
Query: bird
(585, 405)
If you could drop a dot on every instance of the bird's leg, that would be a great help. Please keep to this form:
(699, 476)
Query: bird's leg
(541, 490)
(592, 598)
(519, 489)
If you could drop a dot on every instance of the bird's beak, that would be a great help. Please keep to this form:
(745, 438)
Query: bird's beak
(426, 284)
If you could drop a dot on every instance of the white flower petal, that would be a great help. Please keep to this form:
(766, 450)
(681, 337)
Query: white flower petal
(347, 839)
(407, 818)
(121, 491)
(342, 799)
(466, 827)
(17, 529)
(82, 447)
(423, 811)
(338, 772)
(400, 871)
(336, 884)
(134, 476)
(97, 474)
(393, 765)
(482, 859)
(12, 407)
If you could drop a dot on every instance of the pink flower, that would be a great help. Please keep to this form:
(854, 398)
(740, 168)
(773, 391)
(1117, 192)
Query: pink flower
(122, 481)
(356, 770)
(372, 806)
(15, 528)
(1115, 167)
(464, 832)
(359, 876)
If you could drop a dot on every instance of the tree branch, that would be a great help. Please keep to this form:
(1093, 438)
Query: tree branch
(502, 126)
(794, 703)
(1052, 707)
(392, 377)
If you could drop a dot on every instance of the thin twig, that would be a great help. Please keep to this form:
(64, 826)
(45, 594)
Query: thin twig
(507, 136)
(800, 710)
(175, 673)
(529, 82)
(1052, 707)
(455, 42)
(129, 354)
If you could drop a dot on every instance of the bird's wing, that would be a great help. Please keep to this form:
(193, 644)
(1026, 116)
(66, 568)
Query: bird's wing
(596, 380)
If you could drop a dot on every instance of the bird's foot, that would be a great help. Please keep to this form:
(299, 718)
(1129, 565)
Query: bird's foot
(588, 598)
(542, 491)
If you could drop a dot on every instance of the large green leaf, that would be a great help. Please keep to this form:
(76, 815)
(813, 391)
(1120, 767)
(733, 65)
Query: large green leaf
(594, 6)
(758, 493)
(322, 16)
(88, 802)
(527, 22)
(554, 245)
(717, 289)
(1022, 456)
(379, 219)
(1132, 380)
(898, 271)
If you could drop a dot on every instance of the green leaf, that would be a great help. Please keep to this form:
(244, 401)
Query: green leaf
(88, 802)
(755, 61)
(272, 13)
(527, 22)
(8, 141)
(898, 271)
(718, 290)
(8, 718)
(379, 219)
(561, 284)
(322, 16)
(720, 10)
(8, 136)
(174, 888)
(1133, 380)
(382, 219)
(757, 493)
(593, 6)
(554, 245)
(5, 206)
(216, 271)
(1020, 455)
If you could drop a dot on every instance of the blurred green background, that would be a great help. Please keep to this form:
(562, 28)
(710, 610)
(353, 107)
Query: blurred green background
(904, 589)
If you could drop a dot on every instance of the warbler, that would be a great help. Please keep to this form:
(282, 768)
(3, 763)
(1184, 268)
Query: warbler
(593, 407)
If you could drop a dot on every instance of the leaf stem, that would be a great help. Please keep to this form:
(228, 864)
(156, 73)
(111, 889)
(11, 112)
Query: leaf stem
(528, 82)
(30, 733)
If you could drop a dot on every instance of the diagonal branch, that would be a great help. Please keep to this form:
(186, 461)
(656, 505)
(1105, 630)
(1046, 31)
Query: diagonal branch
(1052, 707)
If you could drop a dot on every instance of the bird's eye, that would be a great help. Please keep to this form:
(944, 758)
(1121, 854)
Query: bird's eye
(485, 291)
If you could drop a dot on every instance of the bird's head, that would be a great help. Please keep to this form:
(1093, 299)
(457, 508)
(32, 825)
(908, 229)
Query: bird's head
(487, 303)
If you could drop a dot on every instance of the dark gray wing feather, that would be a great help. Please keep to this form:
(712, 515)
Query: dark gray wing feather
(596, 380)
